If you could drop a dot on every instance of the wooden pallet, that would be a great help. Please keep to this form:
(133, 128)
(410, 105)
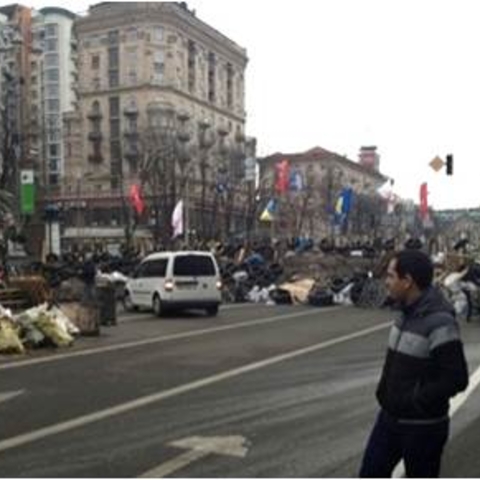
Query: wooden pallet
(14, 298)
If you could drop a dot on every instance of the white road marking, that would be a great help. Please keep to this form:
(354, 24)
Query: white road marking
(199, 447)
(160, 339)
(455, 405)
(4, 397)
(141, 402)
(149, 315)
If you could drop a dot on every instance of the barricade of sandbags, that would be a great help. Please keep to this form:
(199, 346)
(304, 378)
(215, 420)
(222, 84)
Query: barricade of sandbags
(37, 327)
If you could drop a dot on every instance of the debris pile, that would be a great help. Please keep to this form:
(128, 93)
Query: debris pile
(36, 327)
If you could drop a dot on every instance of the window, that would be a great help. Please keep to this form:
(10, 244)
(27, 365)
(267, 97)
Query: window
(113, 37)
(158, 34)
(52, 90)
(211, 77)
(132, 77)
(193, 266)
(113, 58)
(95, 62)
(132, 34)
(159, 66)
(114, 104)
(116, 169)
(155, 268)
(191, 66)
(51, 45)
(53, 105)
(115, 151)
(229, 85)
(52, 75)
(53, 136)
(53, 165)
(53, 179)
(140, 270)
(96, 117)
(51, 30)
(113, 79)
(114, 129)
(54, 151)
(51, 60)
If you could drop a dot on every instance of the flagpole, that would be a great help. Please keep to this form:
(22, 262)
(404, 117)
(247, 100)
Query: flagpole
(272, 223)
(187, 216)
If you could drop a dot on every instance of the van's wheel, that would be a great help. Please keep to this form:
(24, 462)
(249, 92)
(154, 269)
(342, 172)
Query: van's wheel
(157, 305)
(212, 311)
(128, 305)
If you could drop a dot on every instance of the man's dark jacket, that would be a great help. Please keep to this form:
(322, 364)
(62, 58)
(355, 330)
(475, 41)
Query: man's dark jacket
(425, 364)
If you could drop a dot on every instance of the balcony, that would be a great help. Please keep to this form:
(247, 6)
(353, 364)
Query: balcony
(131, 111)
(95, 136)
(95, 157)
(95, 116)
(131, 135)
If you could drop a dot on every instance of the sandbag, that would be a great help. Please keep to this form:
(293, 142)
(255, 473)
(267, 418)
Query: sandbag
(9, 340)
(53, 330)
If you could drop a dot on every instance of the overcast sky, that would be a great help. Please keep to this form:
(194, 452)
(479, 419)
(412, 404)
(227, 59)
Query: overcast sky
(399, 74)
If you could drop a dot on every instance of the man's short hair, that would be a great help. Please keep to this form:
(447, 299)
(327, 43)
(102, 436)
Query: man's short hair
(417, 264)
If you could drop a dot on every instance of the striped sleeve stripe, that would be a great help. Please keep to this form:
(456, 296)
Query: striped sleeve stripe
(442, 335)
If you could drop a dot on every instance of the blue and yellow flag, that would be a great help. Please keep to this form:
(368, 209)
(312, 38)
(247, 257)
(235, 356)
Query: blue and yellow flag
(343, 205)
(269, 212)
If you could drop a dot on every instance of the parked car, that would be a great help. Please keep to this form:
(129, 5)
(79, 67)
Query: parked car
(175, 281)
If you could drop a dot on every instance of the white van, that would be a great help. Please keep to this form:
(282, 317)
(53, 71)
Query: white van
(175, 280)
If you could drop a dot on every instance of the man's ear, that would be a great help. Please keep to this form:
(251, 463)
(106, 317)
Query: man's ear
(408, 278)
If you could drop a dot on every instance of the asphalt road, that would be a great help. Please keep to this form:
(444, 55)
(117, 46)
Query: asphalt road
(256, 392)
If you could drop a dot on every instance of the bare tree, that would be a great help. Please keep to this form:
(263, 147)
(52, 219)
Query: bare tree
(162, 167)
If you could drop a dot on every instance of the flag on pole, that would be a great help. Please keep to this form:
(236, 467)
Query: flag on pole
(282, 176)
(177, 219)
(136, 198)
(296, 181)
(424, 201)
(386, 192)
(269, 212)
(343, 205)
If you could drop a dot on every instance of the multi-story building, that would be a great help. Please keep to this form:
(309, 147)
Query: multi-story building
(137, 62)
(53, 87)
(308, 209)
(16, 51)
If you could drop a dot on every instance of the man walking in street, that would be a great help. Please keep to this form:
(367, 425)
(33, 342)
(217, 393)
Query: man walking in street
(425, 366)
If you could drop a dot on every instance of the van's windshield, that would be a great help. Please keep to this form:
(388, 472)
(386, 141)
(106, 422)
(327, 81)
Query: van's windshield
(193, 266)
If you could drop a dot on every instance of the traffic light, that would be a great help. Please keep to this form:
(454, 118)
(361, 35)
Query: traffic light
(450, 164)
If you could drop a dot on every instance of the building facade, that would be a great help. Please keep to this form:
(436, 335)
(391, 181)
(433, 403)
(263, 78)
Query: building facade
(16, 52)
(307, 209)
(141, 64)
(53, 90)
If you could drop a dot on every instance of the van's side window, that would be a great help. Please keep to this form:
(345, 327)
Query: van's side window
(193, 266)
(139, 272)
(156, 268)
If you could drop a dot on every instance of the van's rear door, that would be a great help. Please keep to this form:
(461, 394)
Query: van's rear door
(195, 277)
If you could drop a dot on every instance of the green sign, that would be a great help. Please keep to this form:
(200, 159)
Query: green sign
(27, 192)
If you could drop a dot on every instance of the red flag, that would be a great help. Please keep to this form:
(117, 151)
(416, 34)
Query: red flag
(136, 198)
(282, 172)
(424, 201)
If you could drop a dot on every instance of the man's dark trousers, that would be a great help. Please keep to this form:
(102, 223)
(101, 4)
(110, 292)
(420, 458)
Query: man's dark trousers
(420, 445)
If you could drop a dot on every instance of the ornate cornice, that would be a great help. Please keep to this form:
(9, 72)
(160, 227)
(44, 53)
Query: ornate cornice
(167, 89)
(167, 14)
